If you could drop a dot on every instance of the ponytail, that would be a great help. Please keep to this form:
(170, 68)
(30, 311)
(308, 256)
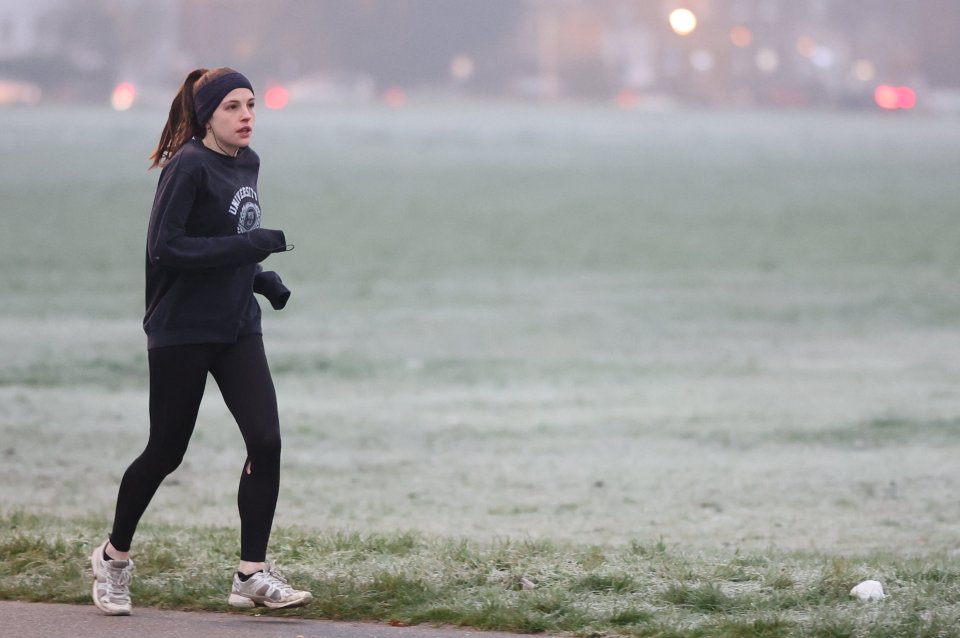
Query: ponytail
(181, 124)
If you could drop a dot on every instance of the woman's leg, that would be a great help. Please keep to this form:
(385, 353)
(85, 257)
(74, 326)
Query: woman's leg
(244, 378)
(245, 383)
(178, 375)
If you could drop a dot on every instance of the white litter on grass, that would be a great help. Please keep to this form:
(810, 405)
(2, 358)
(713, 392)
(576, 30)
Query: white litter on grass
(868, 590)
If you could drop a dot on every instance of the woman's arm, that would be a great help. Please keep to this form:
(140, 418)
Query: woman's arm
(169, 247)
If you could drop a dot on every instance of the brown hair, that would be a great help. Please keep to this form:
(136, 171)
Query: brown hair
(182, 121)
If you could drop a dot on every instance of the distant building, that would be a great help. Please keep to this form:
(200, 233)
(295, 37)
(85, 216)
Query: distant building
(740, 52)
(790, 52)
(26, 28)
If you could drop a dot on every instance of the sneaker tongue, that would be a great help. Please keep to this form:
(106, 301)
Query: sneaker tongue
(119, 563)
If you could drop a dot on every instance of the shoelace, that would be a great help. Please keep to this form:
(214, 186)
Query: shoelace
(118, 578)
(277, 579)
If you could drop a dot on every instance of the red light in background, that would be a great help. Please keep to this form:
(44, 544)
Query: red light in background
(906, 97)
(895, 97)
(276, 97)
(627, 100)
(395, 97)
(123, 96)
(885, 96)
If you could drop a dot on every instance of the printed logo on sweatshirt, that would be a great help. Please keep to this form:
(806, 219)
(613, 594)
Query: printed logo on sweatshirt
(246, 209)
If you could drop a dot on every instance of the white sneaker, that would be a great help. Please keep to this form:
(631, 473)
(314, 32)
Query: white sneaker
(267, 588)
(111, 583)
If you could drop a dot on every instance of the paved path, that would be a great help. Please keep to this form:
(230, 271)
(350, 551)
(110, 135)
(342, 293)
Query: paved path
(42, 620)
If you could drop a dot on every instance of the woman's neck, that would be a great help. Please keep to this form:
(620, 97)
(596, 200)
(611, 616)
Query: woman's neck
(210, 141)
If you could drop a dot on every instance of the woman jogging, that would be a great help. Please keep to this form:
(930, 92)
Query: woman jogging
(204, 248)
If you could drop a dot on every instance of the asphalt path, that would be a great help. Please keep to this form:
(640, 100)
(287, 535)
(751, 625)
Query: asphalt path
(43, 620)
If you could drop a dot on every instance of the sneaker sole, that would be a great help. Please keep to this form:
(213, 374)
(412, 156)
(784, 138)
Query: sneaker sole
(236, 600)
(117, 611)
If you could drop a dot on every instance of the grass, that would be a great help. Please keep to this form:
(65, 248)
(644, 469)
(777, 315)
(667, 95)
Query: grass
(686, 373)
(409, 578)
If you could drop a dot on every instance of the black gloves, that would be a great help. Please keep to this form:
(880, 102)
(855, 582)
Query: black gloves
(268, 284)
(267, 240)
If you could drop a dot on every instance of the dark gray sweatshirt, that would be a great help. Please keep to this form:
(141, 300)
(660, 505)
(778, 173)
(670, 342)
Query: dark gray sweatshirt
(204, 248)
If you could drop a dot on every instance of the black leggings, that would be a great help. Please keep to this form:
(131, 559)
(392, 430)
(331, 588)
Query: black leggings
(178, 375)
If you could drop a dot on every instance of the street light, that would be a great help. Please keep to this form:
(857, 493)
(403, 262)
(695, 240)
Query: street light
(683, 21)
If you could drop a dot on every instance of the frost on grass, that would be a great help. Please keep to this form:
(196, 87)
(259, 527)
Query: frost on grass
(594, 349)
(410, 578)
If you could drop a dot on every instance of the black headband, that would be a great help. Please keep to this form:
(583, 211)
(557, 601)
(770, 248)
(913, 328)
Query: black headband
(208, 97)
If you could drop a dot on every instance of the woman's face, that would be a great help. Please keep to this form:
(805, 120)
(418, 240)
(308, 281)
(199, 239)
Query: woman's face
(232, 121)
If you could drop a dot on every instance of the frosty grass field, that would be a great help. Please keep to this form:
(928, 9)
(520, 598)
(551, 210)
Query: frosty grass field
(712, 331)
